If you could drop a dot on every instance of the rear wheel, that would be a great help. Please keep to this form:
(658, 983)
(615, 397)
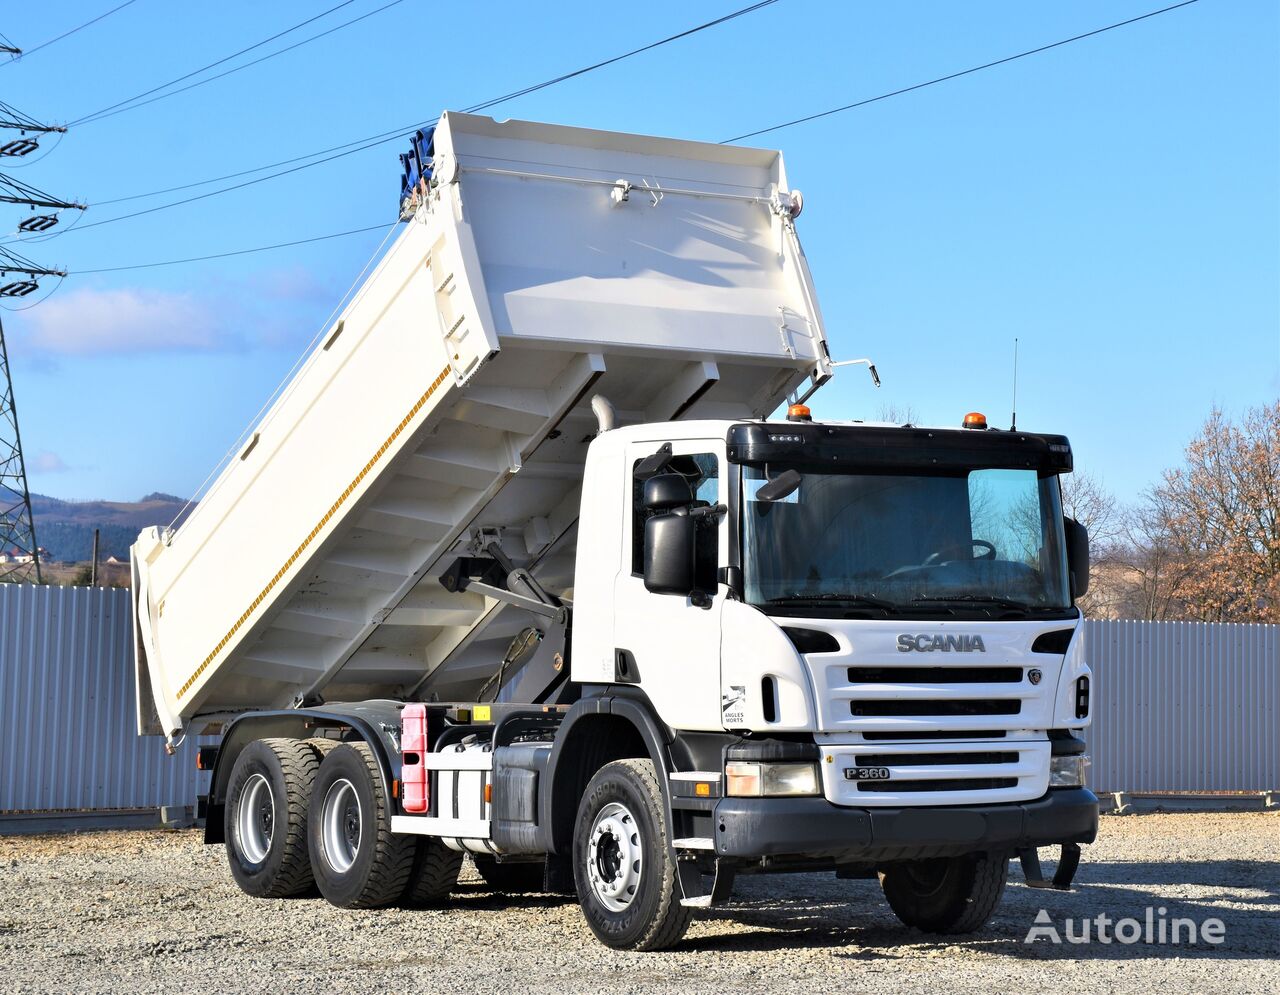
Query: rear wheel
(322, 747)
(265, 818)
(622, 867)
(511, 878)
(358, 862)
(434, 874)
(946, 894)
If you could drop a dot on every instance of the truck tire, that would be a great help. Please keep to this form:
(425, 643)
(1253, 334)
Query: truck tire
(265, 819)
(625, 877)
(946, 894)
(322, 746)
(434, 874)
(357, 861)
(511, 878)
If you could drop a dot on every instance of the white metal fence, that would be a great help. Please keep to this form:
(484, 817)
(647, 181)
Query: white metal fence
(1180, 706)
(1185, 706)
(68, 739)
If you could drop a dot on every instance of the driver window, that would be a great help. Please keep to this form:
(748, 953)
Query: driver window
(702, 470)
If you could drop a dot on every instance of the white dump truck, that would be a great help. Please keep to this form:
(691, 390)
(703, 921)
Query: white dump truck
(516, 566)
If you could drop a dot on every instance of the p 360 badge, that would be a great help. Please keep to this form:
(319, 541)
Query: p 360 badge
(866, 773)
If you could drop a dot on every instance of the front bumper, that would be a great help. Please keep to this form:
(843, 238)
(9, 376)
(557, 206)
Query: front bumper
(809, 828)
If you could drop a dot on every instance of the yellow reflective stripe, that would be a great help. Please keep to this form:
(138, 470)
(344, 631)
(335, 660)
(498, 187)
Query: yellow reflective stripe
(333, 510)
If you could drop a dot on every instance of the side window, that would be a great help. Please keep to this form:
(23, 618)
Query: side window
(702, 470)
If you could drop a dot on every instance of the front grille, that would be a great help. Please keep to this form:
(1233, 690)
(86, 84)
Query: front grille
(946, 784)
(935, 675)
(935, 759)
(962, 707)
(913, 737)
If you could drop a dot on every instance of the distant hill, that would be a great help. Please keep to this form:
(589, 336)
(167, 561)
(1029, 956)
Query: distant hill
(65, 528)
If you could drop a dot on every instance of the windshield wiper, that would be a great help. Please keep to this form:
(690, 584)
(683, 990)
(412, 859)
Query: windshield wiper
(858, 600)
(980, 599)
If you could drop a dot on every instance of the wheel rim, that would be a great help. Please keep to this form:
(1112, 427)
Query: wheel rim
(256, 819)
(341, 826)
(927, 876)
(615, 857)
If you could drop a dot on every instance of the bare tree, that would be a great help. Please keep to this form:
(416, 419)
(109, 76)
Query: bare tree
(1205, 544)
(1148, 568)
(904, 415)
(1221, 513)
(1086, 499)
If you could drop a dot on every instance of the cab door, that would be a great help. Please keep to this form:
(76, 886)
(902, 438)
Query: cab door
(665, 644)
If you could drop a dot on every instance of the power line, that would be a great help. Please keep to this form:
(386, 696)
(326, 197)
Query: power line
(16, 192)
(398, 133)
(66, 34)
(220, 190)
(91, 119)
(394, 133)
(378, 139)
(11, 117)
(350, 148)
(963, 72)
(237, 252)
(618, 58)
(211, 65)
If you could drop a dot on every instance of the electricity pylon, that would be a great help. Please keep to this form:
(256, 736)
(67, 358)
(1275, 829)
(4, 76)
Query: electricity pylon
(19, 552)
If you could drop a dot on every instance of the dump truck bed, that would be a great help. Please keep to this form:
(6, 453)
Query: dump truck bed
(544, 265)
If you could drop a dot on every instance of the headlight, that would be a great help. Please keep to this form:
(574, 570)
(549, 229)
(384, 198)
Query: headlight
(757, 780)
(1068, 772)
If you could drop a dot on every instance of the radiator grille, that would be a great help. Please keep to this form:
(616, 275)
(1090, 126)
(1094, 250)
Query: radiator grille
(930, 734)
(944, 784)
(928, 706)
(936, 759)
(935, 675)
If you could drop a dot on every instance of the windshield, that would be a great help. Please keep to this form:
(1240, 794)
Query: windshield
(986, 541)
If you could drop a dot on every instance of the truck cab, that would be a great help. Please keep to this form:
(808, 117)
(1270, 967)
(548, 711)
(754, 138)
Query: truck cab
(862, 638)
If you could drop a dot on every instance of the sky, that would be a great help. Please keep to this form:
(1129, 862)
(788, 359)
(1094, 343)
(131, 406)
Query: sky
(1114, 203)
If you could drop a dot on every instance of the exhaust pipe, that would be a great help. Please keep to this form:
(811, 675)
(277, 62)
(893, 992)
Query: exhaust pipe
(606, 417)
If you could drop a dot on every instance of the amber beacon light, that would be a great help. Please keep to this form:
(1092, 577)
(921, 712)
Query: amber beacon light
(975, 419)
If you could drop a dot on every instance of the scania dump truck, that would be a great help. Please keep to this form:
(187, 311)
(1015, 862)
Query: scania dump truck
(518, 566)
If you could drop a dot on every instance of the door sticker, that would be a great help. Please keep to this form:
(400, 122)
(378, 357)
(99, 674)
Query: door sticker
(732, 703)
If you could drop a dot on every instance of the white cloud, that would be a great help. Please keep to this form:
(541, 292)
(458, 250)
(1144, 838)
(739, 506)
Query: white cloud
(88, 321)
(272, 309)
(46, 462)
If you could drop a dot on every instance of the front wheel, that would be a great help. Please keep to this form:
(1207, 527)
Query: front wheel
(946, 894)
(625, 877)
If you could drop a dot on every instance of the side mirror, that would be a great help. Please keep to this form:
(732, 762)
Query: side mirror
(1077, 556)
(669, 552)
(666, 491)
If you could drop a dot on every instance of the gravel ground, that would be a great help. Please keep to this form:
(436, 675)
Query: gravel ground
(158, 911)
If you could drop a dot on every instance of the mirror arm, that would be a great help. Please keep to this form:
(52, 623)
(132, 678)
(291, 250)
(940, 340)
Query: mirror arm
(731, 577)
